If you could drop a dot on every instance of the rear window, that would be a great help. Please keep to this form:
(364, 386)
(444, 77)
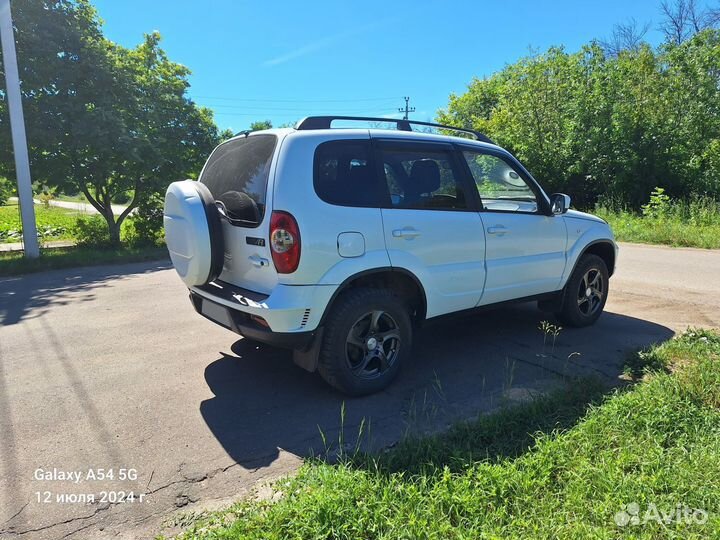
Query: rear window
(237, 175)
(344, 174)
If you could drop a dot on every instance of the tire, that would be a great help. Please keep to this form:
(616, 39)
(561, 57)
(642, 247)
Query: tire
(360, 319)
(585, 293)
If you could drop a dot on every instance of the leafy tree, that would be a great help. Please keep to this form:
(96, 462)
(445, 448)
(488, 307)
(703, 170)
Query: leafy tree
(616, 125)
(260, 125)
(102, 119)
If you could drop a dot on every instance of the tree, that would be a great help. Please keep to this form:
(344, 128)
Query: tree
(614, 127)
(260, 125)
(627, 36)
(683, 19)
(163, 135)
(103, 119)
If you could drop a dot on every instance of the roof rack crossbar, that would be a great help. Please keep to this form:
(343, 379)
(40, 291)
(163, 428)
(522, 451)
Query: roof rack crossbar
(324, 122)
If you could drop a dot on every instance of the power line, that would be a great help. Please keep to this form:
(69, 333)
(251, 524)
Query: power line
(223, 98)
(256, 114)
(292, 109)
(407, 109)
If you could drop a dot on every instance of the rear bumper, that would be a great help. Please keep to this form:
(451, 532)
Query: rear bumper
(292, 313)
(242, 324)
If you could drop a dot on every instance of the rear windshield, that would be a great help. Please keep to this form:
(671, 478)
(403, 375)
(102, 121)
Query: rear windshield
(237, 174)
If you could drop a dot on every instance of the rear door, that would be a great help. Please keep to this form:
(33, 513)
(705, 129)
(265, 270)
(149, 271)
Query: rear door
(430, 224)
(237, 175)
(525, 251)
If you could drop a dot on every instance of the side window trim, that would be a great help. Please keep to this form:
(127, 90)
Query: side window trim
(378, 144)
(543, 201)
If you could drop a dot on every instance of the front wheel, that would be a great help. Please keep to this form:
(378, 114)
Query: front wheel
(586, 292)
(367, 337)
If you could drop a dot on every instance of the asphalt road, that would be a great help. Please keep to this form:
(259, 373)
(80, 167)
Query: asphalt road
(110, 368)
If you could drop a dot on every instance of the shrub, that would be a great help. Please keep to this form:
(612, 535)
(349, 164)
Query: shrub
(658, 206)
(146, 227)
(6, 190)
(45, 198)
(91, 231)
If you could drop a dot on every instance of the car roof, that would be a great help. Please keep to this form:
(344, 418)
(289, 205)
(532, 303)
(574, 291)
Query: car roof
(339, 133)
(429, 137)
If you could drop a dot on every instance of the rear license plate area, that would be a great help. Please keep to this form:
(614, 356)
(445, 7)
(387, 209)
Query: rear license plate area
(216, 313)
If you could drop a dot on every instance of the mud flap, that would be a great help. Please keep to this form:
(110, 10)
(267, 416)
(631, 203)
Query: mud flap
(553, 304)
(308, 358)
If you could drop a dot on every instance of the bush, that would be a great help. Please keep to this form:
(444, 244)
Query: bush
(659, 205)
(146, 227)
(6, 190)
(45, 197)
(91, 231)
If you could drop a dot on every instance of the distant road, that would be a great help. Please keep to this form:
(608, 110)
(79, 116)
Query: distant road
(19, 246)
(79, 206)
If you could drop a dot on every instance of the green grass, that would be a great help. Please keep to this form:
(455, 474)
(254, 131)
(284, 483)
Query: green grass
(678, 223)
(14, 263)
(53, 223)
(654, 443)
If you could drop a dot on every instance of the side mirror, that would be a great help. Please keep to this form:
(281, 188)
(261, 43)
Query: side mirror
(559, 203)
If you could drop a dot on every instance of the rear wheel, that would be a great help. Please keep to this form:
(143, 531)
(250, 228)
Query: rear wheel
(585, 293)
(367, 336)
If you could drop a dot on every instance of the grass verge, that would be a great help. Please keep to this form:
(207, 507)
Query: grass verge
(14, 262)
(591, 467)
(53, 223)
(679, 224)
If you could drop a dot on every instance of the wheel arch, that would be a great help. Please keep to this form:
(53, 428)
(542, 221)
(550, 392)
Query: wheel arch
(603, 248)
(398, 279)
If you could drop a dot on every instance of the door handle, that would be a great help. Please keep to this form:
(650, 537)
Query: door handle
(405, 233)
(497, 229)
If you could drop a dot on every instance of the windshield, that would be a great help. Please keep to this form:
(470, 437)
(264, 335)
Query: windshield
(237, 175)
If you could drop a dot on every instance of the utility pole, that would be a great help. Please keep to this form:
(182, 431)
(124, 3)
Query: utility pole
(17, 128)
(407, 109)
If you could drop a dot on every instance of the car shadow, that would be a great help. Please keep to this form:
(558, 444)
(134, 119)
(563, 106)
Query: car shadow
(31, 295)
(461, 368)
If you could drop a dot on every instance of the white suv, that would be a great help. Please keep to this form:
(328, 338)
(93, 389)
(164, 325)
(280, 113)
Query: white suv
(340, 242)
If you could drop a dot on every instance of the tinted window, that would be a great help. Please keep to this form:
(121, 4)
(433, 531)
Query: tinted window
(344, 174)
(417, 177)
(237, 174)
(500, 186)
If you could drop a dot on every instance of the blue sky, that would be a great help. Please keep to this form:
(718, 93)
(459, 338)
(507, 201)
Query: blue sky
(282, 60)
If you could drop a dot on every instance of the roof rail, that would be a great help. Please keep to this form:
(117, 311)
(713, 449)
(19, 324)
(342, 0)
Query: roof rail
(324, 122)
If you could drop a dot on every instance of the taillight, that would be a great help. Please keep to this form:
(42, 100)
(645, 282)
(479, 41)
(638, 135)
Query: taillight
(284, 242)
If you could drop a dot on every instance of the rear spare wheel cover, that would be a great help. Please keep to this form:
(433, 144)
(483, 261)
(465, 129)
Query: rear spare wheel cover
(193, 232)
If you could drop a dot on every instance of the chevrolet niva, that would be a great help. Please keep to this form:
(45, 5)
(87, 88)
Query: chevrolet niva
(340, 242)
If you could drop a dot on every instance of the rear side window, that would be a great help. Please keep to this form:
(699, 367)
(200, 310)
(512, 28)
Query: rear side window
(422, 177)
(344, 174)
(237, 175)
